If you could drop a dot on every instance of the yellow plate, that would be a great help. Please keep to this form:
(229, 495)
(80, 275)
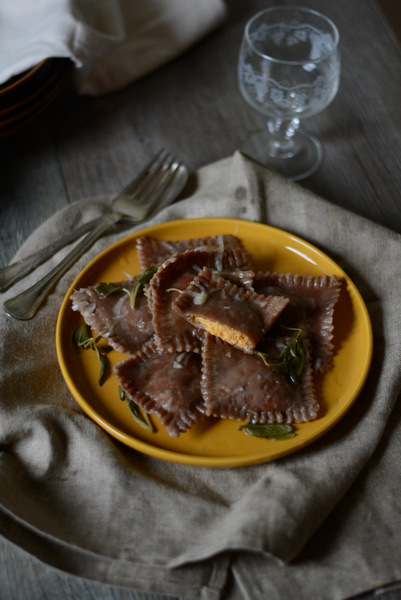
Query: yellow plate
(217, 443)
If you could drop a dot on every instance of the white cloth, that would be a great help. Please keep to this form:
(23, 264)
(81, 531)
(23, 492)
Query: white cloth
(112, 43)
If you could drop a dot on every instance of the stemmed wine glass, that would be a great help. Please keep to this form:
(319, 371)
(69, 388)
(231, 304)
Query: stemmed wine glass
(289, 67)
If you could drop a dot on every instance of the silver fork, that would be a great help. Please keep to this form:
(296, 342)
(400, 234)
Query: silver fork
(154, 188)
(10, 274)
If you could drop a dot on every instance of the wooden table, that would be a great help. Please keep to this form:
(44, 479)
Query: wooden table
(84, 147)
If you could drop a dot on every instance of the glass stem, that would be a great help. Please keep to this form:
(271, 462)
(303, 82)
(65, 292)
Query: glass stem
(282, 143)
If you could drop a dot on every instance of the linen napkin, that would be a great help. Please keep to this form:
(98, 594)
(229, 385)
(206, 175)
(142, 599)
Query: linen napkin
(324, 521)
(112, 43)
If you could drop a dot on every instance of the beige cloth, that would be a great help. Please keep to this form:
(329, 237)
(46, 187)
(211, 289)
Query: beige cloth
(112, 43)
(324, 522)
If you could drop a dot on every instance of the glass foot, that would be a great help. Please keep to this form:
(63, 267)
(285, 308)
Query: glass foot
(305, 162)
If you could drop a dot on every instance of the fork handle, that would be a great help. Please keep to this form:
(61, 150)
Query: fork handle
(17, 270)
(25, 305)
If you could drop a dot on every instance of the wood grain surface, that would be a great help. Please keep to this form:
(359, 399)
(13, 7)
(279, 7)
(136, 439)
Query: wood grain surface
(83, 147)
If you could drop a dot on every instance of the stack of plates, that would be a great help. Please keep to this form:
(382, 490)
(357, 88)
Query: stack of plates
(25, 96)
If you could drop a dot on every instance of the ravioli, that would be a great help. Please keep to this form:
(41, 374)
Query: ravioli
(312, 299)
(200, 329)
(238, 316)
(164, 384)
(237, 385)
(112, 317)
(152, 251)
(173, 332)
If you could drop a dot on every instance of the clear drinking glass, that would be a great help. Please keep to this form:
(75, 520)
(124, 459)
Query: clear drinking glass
(288, 68)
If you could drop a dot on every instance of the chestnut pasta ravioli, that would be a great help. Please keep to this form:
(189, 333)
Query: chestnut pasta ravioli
(209, 336)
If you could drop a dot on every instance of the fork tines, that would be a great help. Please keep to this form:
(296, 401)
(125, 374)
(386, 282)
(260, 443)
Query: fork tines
(155, 177)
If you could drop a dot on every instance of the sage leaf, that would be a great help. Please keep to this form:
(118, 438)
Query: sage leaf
(107, 289)
(81, 335)
(290, 361)
(140, 417)
(142, 279)
(147, 275)
(104, 363)
(271, 431)
(83, 339)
